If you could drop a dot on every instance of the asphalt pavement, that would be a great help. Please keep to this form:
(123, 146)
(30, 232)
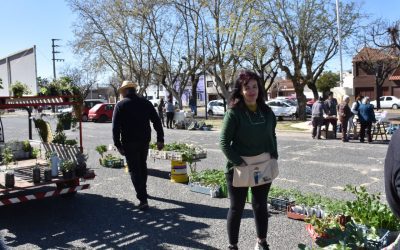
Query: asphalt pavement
(105, 216)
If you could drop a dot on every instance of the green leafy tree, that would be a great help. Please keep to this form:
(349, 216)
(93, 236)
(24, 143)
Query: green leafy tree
(327, 81)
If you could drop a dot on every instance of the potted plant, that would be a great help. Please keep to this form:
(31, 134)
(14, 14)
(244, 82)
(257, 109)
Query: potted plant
(111, 161)
(65, 119)
(19, 89)
(43, 129)
(81, 164)
(36, 169)
(101, 149)
(48, 170)
(26, 146)
(60, 136)
(8, 157)
(71, 142)
(67, 167)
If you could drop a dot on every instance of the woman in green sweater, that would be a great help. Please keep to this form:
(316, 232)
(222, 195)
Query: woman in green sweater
(248, 130)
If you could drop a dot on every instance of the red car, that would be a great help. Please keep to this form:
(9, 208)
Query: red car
(87, 105)
(101, 112)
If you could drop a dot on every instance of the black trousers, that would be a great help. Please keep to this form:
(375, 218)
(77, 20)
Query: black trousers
(317, 122)
(161, 115)
(237, 202)
(170, 118)
(366, 126)
(136, 157)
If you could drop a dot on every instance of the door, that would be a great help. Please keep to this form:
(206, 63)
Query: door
(219, 108)
(109, 109)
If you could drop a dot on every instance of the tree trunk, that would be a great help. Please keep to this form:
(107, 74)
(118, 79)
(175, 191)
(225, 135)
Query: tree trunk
(195, 82)
(302, 102)
(378, 93)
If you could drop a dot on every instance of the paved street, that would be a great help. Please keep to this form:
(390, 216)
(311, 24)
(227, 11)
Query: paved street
(105, 217)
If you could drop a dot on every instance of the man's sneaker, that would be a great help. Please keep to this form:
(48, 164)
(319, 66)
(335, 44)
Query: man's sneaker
(261, 246)
(143, 206)
(233, 247)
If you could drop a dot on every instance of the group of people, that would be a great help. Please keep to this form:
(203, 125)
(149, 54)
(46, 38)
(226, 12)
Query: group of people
(248, 131)
(169, 107)
(329, 111)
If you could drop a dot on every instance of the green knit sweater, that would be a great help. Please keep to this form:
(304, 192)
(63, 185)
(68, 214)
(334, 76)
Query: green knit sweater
(246, 133)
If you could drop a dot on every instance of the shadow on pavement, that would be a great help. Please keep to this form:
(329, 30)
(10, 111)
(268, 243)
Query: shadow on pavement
(93, 221)
(199, 210)
(159, 173)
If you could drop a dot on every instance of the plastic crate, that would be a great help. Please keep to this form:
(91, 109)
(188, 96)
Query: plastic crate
(280, 204)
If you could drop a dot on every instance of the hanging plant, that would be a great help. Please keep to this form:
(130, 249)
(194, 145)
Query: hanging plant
(19, 89)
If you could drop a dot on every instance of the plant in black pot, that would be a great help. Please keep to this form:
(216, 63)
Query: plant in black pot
(47, 171)
(8, 157)
(101, 149)
(81, 164)
(65, 119)
(19, 89)
(36, 170)
(26, 146)
(67, 168)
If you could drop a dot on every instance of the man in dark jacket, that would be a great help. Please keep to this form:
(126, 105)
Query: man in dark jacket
(330, 106)
(392, 174)
(132, 134)
(366, 116)
(344, 116)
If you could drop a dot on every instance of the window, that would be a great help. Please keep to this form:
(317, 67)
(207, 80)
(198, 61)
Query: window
(382, 99)
(109, 107)
(210, 84)
(199, 96)
(388, 98)
(161, 88)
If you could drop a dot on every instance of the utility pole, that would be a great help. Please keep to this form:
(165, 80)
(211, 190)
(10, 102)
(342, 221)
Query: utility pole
(339, 42)
(54, 56)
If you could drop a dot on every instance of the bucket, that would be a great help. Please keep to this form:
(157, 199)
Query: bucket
(179, 172)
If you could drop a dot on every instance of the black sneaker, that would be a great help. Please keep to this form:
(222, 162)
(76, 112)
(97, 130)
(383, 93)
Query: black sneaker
(261, 246)
(143, 206)
(233, 247)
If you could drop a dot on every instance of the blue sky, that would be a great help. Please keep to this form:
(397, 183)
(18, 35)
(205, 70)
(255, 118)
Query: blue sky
(25, 23)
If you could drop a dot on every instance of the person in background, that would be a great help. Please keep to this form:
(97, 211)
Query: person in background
(317, 117)
(192, 104)
(170, 112)
(330, 106)
(353, 124)
(132, 133)
(367, 117)
(248, 130)
(160, 109)
(344, 116)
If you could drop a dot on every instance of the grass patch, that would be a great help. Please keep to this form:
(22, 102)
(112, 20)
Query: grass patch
(287, 125)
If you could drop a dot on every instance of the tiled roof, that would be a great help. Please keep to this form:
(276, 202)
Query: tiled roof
(371, 54)
(396, 75)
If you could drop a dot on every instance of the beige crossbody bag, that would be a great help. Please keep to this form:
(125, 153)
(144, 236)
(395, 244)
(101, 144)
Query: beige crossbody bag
(260, 169)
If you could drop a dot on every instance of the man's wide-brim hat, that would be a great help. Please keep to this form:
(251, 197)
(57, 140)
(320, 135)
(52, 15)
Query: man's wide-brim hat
(127, 84)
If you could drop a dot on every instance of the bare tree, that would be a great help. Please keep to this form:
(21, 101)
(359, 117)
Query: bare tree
(82, 78)
(306, 36)
(381, 62)
(227, 29)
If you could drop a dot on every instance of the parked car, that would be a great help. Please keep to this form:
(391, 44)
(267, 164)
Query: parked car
(282, 109)
(87, 105)
(388, 102)
(293, 102)
(101, 112)
(215, 107)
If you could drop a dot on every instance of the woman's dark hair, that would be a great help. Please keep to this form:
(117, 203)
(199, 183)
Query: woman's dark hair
(243, 78)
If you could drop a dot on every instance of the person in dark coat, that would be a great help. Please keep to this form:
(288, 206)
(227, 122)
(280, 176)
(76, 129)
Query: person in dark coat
(392, 174)
(366, 116)
(330, 106)
(160, 108)
(132, 134)
(344, 116)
